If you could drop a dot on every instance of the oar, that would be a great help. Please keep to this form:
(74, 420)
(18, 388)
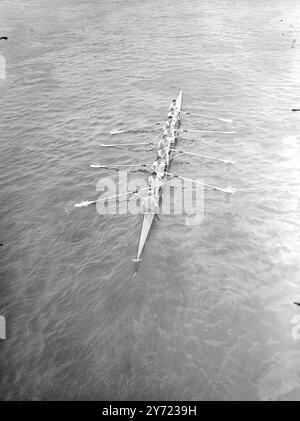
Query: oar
(117, 165)
(133, 129)
(205, 131)
(230, 190)
(209, 116)
(86, 203)
(227, 161)
(114, 145)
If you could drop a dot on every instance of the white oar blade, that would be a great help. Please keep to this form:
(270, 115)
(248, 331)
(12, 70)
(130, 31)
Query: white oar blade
(83, 204)
(117, 131)
(230, 190)
(226, 161)
(225, 120)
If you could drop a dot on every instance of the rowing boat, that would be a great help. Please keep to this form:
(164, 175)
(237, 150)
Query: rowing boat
(149, 217)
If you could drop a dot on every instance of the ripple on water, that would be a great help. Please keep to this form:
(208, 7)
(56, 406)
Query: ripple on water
(208, 314)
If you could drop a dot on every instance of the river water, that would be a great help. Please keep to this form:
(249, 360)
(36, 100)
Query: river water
(209, 314)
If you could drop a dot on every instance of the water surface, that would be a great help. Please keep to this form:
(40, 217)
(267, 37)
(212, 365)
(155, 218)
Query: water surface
(209, 315)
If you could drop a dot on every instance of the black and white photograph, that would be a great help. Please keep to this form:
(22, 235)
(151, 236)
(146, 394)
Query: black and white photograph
(149, 203)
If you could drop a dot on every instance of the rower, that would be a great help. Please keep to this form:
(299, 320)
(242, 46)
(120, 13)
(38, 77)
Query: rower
(155, 183)
(164, 154)
(174, 122)
(173, 126)
(169, 127)
(159, 167)
(163, 148)
(169, 133)
(164, 142)
(168, 123)
(174, 116)
(173, 105)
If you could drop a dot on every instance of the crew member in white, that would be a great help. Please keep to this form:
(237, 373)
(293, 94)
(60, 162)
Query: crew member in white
(159, 167)
(155, 183)
(149, 204)
(169, 133)
(173, 105)
(168, 122)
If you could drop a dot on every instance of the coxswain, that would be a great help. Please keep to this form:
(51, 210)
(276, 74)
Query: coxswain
(155, 183)
(159, 167)
(149, 203)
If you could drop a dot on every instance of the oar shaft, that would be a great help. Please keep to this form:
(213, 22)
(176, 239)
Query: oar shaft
(115, 196)
(133, 129)
(87, 203)
(122, 194)
(206, 131)
(116, 165)
(202, 184)
(209, 116)
(203, 156)
(104, 145)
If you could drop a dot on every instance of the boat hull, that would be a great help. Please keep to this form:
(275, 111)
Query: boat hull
(149, 217)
